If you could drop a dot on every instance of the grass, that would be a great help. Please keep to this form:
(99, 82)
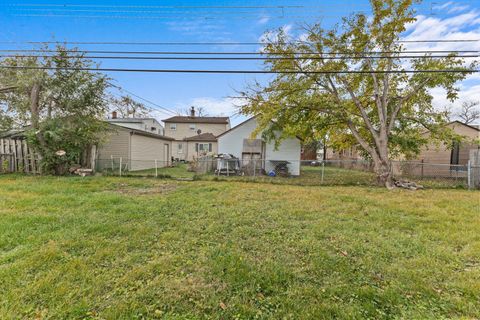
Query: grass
(136, 248)
(310, 176)
(179, 171)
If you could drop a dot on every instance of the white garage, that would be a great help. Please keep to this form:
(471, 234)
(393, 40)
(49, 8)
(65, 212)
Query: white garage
(238, 141)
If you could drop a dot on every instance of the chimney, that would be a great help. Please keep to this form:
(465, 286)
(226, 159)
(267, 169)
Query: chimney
(114, 115)
(192, 112)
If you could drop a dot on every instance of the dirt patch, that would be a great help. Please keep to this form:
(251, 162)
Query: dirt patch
(138, 191)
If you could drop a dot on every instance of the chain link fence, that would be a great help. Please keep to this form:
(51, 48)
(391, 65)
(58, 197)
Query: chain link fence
(308, 173)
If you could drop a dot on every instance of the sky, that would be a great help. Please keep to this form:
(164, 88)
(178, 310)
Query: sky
(212, 21)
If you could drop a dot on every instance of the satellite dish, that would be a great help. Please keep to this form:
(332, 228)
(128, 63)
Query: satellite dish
(199, 131)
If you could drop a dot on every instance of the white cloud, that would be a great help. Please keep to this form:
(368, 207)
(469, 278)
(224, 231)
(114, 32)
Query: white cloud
(198, 27)
(451, 6)
(160, 115)
(264, 20)
(467, 94)
(214, 106)
(272, 35)
(287, 29)
(443, 6)
(464, 26)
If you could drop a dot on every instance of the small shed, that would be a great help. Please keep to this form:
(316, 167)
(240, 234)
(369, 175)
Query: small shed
(239, 142)
(137, 149)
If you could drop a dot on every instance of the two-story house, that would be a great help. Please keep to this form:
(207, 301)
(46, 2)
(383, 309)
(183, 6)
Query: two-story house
(194, 136)
(150, 125)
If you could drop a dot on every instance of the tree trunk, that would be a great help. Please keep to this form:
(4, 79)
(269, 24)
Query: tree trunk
(384, 173)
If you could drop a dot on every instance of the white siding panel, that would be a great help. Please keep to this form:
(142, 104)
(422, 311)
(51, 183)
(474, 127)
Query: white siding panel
(232, 142)
(289, 149)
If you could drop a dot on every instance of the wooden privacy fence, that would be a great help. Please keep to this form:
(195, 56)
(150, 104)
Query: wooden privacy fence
(17, 156)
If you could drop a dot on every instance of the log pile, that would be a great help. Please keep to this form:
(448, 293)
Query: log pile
(78, 170)
(405, 184)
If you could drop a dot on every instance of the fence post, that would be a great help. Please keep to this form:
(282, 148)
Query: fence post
(120, 170)
(254, 167)
(323, 171)
(469, 174)
(228, 170)
(422, 167)
(156, 169)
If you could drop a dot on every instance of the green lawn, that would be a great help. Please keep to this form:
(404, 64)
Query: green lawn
(179, 171)
(310, 176)
(137, 248)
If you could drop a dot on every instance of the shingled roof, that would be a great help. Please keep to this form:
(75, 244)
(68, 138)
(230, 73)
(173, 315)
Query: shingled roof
(202, 137)
(185, 119)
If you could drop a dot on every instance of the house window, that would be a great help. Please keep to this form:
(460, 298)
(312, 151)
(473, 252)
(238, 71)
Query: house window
(203, 147)
(180, 148)
(153, 129)
(173, 126)
(192, 126)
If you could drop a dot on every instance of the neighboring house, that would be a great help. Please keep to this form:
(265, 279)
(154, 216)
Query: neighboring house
(454, 153)
(194, 136)
(199, 145)
(350, 154)
(137, 149)
(145, 124)
(239, 143)
(444, 159)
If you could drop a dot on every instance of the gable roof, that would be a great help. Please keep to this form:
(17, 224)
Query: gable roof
(237, 126)
(244, 122)
(471, 126)
(202, 137)
(21, 133)
(131, 120)
(186, 119)
(142, 133)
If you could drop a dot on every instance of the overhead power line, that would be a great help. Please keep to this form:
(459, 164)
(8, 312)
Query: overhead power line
(239, 53)
(205, 17)
(143, 99)
(239, 58)
(242, 71)
(324, 4)
(164, 7)
(178, 43)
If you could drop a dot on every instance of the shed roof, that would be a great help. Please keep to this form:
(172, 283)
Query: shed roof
(143, 133)
(202, 137)
(130, 120)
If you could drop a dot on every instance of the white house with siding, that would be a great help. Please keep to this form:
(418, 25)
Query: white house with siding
(239, 142)
(144, 124)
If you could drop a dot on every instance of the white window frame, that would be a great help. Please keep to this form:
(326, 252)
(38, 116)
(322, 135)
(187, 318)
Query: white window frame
(201, 147)
(173, 126)
(180, 148)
